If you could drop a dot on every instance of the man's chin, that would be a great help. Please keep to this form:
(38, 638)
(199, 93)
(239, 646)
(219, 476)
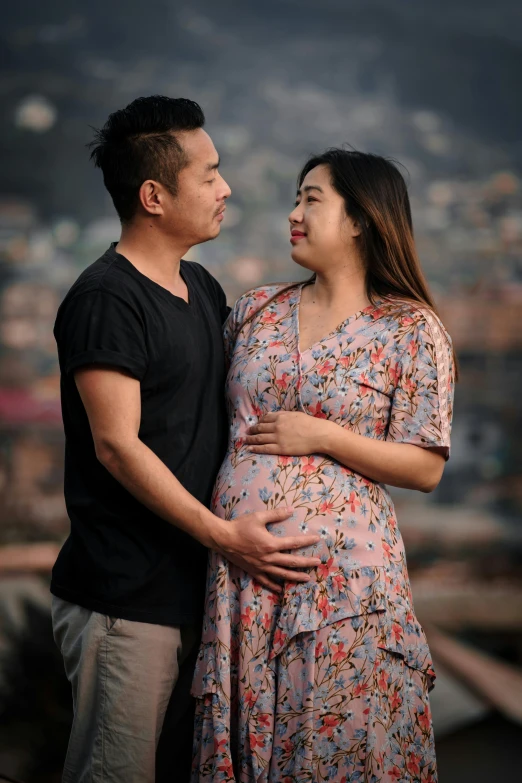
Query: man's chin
(213, 234)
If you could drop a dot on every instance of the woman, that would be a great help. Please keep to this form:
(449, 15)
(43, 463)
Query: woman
(336, 387)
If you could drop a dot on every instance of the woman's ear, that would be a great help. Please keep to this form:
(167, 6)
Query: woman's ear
(355, 227)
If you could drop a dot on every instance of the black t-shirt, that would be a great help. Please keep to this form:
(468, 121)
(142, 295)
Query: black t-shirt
(121, 559)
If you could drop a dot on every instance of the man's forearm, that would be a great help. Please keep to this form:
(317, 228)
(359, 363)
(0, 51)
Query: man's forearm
(149, 480)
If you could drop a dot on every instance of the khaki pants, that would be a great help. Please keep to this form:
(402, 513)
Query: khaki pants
(123, 675)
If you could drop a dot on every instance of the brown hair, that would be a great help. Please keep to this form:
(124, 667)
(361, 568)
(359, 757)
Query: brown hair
(376, 197)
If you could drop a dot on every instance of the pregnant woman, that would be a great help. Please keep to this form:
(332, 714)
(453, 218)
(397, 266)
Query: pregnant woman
(336, 388)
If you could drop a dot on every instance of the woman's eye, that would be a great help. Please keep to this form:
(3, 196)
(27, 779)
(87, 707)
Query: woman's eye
(311, 198)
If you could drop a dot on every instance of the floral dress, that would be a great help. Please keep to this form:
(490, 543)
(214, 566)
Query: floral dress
(328, 681)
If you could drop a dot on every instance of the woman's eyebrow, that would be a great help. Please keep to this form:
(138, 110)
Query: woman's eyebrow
(309, 187)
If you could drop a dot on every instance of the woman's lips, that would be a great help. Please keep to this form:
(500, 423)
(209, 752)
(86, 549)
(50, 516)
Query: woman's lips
(296, 236)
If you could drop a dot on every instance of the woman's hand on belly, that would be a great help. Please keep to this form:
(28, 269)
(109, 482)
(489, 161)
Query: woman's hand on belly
(385, 462)
(290, 433)
(246, 542)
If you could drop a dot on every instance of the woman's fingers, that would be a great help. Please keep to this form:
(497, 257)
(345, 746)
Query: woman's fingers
(256, 440)
(267, 448)
(261, 438)
(256, 429)
(271, 417)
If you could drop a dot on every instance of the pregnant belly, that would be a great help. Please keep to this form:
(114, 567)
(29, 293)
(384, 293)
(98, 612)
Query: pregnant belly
(353, 516)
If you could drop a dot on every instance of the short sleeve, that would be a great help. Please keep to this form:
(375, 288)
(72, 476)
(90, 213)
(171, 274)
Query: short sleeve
(422, 405)
(100, 327)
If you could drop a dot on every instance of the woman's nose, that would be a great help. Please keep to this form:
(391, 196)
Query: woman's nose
(295, 216)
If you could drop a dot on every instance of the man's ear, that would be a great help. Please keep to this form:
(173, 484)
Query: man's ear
(150, 196)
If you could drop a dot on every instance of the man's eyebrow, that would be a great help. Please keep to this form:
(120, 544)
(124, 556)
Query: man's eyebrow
(310, 187)
(213, 166)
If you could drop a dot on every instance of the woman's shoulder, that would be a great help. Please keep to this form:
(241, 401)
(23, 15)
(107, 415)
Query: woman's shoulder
(415, 320)
(257, 298)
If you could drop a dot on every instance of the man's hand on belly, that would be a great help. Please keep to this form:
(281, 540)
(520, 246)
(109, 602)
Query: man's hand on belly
(246, 542)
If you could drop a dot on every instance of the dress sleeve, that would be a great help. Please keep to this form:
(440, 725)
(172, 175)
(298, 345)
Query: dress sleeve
(99, 327)
(422, 405)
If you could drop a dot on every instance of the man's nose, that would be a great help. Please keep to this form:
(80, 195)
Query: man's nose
(226, 192)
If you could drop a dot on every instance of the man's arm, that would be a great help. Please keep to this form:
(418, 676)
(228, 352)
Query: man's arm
(113, 405)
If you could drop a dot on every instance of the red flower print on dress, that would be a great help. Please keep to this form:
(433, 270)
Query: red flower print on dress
(269, 317)
(396, 631)
(410, 386)
(264, 720)
(395, 701)
(413, 348)
(323, 605)
(360, 688)
(309, 465)
(282, 382)
(256, 741)
(325, 368)
(324, 569)
(425, 720)
(329, 724)
(339, 581)
(250, 697)
(246, 617)
(377, 354)
(326, 507)
(226, 767)
(279, 637)
(289, 655)
(339, 653)
(353, 502)
(317, 411)
(394, 371)
(413, 764)
(380, 428)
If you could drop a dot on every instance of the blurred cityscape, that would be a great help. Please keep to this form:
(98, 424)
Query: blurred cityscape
(278, 83)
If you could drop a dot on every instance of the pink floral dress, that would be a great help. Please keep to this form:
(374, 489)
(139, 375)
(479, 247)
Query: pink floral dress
(328, 682)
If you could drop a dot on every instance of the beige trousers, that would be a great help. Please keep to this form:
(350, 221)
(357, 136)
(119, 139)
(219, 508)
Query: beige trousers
(123, 675)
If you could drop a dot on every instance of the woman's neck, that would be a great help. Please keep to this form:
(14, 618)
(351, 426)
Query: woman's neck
(339, 289)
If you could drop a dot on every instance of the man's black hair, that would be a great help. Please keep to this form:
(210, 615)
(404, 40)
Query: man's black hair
(139, 143)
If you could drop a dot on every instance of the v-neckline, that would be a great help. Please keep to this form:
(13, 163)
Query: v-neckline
(148, 280)
(369, 308)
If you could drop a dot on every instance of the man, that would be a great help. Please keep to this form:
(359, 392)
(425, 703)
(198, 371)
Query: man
(142, 377)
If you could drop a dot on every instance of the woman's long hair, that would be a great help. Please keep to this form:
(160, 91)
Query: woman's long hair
(376, 197)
